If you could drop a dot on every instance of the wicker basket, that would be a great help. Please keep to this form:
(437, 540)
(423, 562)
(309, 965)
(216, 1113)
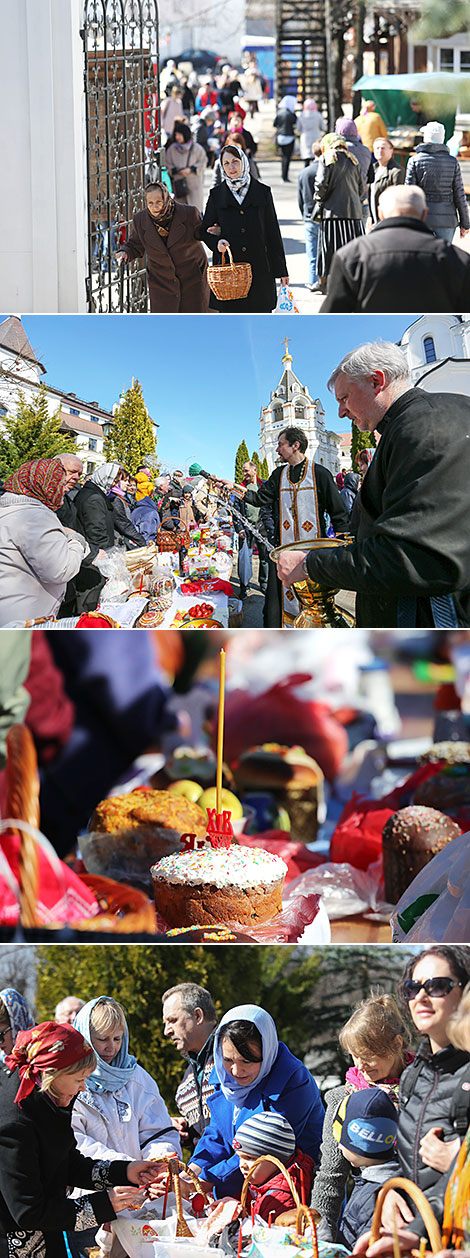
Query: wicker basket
(419, 1200)
(172, 539)
(232, 282)
(174, 1166)
(301, 1216)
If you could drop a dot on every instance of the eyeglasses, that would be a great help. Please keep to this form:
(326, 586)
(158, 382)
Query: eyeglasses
(3, 1034)
(432, 986)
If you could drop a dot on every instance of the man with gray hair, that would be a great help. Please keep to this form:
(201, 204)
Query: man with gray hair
(189, 1020)
(399, 256)
(410, 562)
(67, 1009)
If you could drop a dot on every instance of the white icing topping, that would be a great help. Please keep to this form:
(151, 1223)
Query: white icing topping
(221, 867)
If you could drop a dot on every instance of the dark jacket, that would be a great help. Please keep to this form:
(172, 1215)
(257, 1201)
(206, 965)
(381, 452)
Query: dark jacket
(192, 1094)
(284, 122)
(348, 493)
(67, 514)
(413, 529)
(146, 519)
(428, 1106)
(359, 1210)
(394, 175)
(340, 187)
(252, 231)
(123, 523)
(398, 256)
(434, 170)
(95, 516)
(176, 264)
(39, 1159)
(306, 188)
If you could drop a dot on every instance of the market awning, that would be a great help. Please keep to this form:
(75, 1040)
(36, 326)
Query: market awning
(439, 94)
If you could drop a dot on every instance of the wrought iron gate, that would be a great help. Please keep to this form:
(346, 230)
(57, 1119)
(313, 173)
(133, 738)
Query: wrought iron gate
(121, 69)
(301, 51)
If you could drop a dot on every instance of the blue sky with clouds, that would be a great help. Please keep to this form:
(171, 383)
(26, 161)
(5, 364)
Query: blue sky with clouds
(205, 378)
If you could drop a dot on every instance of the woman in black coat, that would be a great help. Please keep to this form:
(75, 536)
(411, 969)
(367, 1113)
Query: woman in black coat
(122, 515)
(240, 213)
(339, 189)
(167, 232)
(94, 506)
(39, 1159)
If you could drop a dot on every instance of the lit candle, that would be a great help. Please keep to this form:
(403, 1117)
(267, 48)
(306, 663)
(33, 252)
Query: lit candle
(165, 1199)
(220, 732)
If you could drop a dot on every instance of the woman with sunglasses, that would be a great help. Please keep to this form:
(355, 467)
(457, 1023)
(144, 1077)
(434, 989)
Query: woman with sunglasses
(427, 1144)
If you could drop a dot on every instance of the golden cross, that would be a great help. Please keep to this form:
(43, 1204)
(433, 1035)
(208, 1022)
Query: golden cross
(285, 343)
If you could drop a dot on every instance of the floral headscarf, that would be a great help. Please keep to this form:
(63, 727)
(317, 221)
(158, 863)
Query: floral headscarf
(105, 476)
(48, 1046)
(332, 145)
(18, 1013)
(162, 221)
(43, 479)
(239, 186)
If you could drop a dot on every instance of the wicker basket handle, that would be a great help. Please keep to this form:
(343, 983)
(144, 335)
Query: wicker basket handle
(174, 1166)
(230, 255)
(419, 1200)
(267, 1157)
(304, 1216)
(22, 790)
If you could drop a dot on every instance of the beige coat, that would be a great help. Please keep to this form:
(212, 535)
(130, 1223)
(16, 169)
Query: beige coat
(194, 156)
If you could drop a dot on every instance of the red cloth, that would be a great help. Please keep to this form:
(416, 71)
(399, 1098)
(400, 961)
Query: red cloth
(357, 839)
(48, 1046)
(211, 584)
(61, 896)
(279, 713)
(275, 1196)
(51, 713)
(43, 479)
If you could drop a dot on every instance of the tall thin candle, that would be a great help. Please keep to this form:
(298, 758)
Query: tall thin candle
(165, 1199)
(239, 1249)
(220, 732)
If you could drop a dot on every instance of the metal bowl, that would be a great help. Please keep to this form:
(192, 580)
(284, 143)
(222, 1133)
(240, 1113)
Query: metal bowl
(317, 602)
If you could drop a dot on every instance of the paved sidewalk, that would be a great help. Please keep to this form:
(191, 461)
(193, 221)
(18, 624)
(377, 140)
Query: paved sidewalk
(253, 605)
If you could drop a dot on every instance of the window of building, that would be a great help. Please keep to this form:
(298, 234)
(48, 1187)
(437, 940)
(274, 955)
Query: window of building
(72, 411)
(429, 349)
(90, 467)
(92, 443)
(3, 411)
(94, 419)
(446, 59)
(465, 61)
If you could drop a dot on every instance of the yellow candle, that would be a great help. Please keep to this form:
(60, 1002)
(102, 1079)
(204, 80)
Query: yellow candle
(422, 1247)
(396, 1242)
(220, 731)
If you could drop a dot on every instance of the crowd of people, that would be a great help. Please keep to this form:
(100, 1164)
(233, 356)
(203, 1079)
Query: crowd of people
(57, 526)
(244, 1097)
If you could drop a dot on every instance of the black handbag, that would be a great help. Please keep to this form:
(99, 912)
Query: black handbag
(180, 185)
(317, 212)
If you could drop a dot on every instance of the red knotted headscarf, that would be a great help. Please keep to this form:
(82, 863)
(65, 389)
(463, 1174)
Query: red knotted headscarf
(43, 479)
(48, 1046)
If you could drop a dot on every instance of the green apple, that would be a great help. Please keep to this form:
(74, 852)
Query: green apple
(190, 790)
(229, 802)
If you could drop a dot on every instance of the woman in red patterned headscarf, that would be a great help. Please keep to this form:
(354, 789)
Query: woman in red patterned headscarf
(39, 1159)
(37, 555)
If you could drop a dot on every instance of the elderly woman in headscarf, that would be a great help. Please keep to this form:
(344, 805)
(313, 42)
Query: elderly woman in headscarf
(167, 232)
(120, 1112)
(339, 191)
(310, 126)
(285, 124)
(94, 505)
(253, 1072)
(240, 213)
(186, 162)
(39, 1159)
(37, 554)
(14, 1017)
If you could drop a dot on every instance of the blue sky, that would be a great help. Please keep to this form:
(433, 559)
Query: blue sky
(204, 378)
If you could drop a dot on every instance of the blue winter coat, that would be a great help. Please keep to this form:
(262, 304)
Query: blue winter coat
(146, 519)
(289, 1089)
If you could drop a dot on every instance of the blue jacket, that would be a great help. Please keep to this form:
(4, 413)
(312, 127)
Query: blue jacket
(146, 519)
(358, 1213)
(289, 1089)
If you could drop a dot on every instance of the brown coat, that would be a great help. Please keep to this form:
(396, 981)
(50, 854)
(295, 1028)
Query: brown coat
(176, 264)
(187, 515)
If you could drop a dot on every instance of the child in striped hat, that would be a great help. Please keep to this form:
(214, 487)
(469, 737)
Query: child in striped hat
(270, 1133)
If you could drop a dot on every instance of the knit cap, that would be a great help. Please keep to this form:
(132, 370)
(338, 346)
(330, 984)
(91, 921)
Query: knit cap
(195, 469)
(433, 133)
(366, 1123)
(266, 1133)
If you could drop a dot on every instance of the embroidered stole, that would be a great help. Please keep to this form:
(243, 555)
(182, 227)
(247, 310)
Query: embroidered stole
(299, 519)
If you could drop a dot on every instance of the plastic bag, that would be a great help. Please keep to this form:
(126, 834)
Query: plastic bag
(284, 1242)
(118, 577)
(435, 908)
(144, 1233)
(285, 302)
(344, 890)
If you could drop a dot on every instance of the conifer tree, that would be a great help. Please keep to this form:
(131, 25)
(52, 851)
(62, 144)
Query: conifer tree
(264, 469)
(132, 436)
(360, 441)
(256, 460)
(241, 457)
(32, 434)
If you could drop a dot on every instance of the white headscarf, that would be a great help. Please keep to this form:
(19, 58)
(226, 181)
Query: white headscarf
(288, 102)
(238, 1092)
(105, 476)
(239, 187)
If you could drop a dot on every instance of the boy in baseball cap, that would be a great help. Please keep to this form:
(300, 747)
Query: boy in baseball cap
(365, 1127)
(270, 1133)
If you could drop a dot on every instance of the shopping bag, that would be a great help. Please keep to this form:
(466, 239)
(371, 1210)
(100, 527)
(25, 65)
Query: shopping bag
(285, 302)
(435, 908)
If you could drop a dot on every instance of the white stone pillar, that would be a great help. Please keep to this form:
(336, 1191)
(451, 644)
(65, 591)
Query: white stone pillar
(43, 203)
